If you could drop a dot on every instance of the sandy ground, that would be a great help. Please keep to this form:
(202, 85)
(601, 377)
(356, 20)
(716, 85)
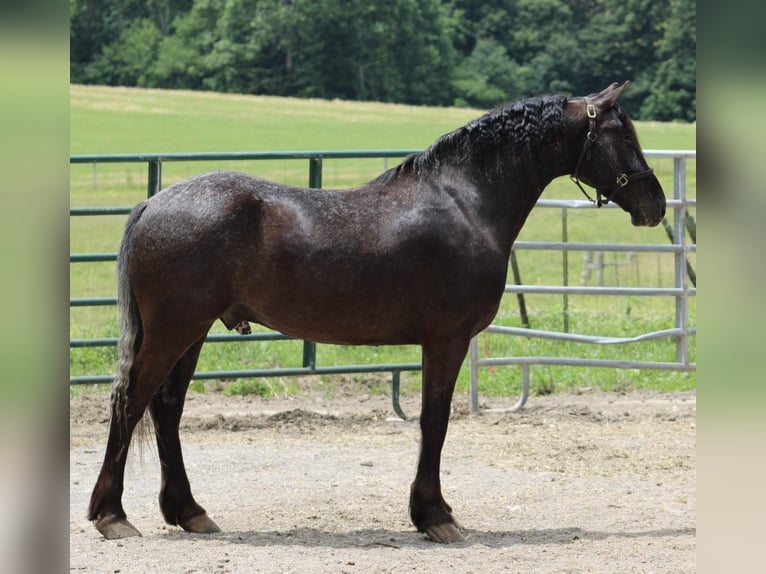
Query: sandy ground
(591, 482)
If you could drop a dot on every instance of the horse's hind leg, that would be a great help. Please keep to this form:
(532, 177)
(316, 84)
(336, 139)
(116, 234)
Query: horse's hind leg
(428, 510)
(176, 501)
(152, 364)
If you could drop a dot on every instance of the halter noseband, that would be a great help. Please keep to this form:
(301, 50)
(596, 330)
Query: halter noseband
(591, 138)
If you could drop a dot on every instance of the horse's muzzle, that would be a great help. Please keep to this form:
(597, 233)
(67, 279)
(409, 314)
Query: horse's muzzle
(647, 217)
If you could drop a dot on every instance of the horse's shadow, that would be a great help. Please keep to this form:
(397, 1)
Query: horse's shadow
(371, 538)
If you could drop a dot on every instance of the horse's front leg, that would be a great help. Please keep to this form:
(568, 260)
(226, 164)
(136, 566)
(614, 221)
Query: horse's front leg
(428, 510)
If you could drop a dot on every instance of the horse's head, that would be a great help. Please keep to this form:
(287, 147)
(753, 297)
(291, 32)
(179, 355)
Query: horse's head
(608, 156)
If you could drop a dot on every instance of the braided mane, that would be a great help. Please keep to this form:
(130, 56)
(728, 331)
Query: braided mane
(509, 136)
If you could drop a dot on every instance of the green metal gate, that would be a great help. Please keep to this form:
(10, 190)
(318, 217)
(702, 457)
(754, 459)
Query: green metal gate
(154, 164)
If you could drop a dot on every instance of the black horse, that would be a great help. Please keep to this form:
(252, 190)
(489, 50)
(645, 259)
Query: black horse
(417, 256)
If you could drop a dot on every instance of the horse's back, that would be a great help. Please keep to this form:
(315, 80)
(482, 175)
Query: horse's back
(208, 215)
(208, 196)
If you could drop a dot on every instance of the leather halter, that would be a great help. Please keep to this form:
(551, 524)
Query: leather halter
(592, 138)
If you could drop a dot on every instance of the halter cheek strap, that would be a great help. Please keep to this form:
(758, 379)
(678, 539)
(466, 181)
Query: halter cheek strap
(591, 138)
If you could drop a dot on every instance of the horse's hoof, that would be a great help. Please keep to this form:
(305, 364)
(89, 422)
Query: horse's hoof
(114, 528)
(446, 533)
(199, 524)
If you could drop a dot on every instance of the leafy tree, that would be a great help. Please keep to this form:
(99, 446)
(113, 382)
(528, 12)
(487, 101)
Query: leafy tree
(163, 12)
(673, 86)
(94, 24)
(621, 39)
(488, 76)
(128, 60)
(183, 59)
(234, 51)
(436, 52)
(536, 23)
(393, 51)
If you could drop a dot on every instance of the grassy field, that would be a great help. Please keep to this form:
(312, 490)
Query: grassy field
(121, 120)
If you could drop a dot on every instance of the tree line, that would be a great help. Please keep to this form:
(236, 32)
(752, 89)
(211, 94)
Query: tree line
(423, 52)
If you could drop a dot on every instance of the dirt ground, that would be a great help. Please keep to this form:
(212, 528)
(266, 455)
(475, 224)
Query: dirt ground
(590, 482)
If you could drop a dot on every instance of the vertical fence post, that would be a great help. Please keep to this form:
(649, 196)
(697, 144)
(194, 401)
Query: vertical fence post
(154, 181)
(679, 239)
(473, 362)
(565, 262)
(315, 172)
(519, 296)
(315, 181)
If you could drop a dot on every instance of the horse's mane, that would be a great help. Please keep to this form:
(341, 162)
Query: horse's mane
(510, 135)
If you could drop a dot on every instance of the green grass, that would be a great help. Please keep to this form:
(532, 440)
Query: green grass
(121, 120)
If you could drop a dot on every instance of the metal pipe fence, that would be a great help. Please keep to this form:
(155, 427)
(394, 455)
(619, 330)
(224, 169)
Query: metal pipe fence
(680, 291)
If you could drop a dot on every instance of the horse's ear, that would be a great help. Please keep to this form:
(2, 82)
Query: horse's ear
(607, 98)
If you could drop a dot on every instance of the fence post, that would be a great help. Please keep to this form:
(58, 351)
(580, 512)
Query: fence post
(679, 238)
(519, 296)
(315, 181)
(154, 181)
(315, 172)
(473, 362)
(565, 262)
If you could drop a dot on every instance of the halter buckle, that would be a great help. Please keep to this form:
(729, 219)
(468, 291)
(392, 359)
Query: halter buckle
(590, 109)
(622, 180)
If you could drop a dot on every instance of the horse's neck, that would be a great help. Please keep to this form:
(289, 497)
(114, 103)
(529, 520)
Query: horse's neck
(520, 201)
(516, 191)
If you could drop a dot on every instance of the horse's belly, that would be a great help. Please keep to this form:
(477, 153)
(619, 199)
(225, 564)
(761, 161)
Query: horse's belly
(375, 308)
(338, 322)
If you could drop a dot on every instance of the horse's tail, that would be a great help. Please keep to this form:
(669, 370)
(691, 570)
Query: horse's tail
(130, 319)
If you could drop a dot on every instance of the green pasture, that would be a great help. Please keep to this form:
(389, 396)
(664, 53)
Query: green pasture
(126, 120)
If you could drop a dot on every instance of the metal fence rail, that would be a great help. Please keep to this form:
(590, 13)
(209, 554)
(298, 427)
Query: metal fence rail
(680, 291)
